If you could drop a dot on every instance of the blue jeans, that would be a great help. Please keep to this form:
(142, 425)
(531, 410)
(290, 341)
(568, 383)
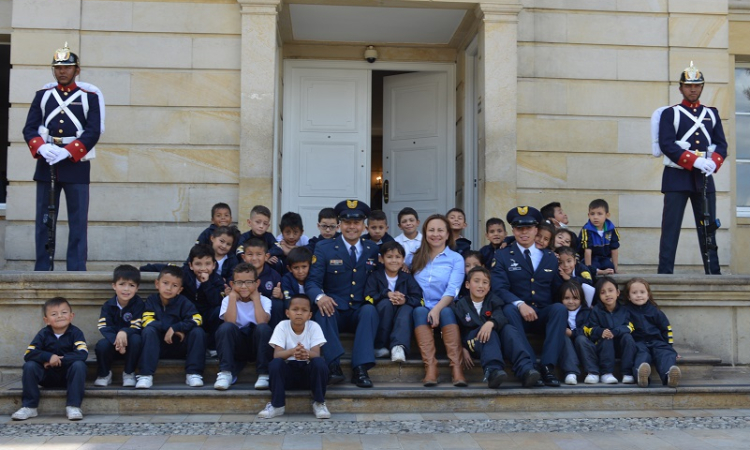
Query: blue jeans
(446, 316)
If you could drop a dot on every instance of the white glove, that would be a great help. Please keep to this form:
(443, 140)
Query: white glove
(710, 167)
(61, 154)
(700, 164)
(48, 152)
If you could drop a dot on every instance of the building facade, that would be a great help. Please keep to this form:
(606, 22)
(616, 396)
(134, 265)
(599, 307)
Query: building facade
(478, 105)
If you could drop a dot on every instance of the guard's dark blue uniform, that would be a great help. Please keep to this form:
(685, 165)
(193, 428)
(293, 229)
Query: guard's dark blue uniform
(72, 374)
(513, 280)
(505, 342)
(396, 323)
(180, 315)
(112, 320)
(679, 185)
(618, 322)
(72, 173)
(653, 338)
(332, 274)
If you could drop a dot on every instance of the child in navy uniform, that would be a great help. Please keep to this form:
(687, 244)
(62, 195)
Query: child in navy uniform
(171, 329)
(577, 347)
(543, 240)
(472, 259)
(496, 234)
(298, 262)
(395, 294)
(255, 252)
(457, 219)
(245, 332)
(297, 363)
(291, 236)
(56, 357)
(221, 216)
(120, 324)
(328, 225)
(609, 327)
(485, 332)
(259, 222)
(570, 269)
(203, 286)
(599, 240)
(653, 336)
(224, 241)
(377, 228)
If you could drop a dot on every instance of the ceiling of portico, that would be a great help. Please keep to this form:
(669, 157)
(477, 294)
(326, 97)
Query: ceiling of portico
(375, 23)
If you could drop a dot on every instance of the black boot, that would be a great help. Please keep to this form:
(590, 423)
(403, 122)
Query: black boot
(360, 377)
(495, 378)
(335, 375)
(548, 376)
(530, 378)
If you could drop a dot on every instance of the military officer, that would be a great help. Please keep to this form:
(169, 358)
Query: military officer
(526, 278)
(337, 281)
(62, 126)
(692, 139)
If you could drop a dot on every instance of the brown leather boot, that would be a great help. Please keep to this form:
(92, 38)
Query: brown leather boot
(452, 340)
(426, 342)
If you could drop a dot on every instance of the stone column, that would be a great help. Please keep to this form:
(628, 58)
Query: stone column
(498, 72)
(258, 78)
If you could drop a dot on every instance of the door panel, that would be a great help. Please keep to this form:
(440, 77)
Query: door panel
(415, 147)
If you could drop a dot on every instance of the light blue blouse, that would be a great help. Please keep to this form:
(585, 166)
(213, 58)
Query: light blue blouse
(441, 277)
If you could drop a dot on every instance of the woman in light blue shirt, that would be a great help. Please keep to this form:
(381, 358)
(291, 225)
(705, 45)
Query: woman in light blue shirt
(440, 272)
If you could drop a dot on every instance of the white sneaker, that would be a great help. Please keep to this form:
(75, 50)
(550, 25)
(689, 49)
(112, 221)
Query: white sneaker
(24, 413)
(144, 382)
(128, 379)
(608, 378)
(262, 383)
(591, 378)
(321, 410)
(628, 379)
(382, 352)
(673, 376)
(223, 380)
(644, 372)
(194, 380)
(571, 378)
(104, 381)
(269, 412)
(73, 413)
(397, 354)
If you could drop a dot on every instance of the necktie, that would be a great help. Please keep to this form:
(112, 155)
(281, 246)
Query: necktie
(353, 255)
(527, 253)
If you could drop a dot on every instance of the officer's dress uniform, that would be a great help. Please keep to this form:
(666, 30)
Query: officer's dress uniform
(686, 182)
(333, 274)
(73, 175)
(514, 279)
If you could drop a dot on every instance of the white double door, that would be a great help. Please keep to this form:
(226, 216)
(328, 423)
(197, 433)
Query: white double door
(327, 135)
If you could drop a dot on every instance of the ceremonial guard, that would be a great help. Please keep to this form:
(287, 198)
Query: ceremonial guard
(339, 270)
(692, 140)
(62, 127)
(526, 278)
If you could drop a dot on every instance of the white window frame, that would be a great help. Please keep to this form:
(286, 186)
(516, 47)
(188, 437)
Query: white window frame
(742, 211)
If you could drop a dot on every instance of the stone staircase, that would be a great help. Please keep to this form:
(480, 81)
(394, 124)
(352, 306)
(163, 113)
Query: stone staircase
(712, 311)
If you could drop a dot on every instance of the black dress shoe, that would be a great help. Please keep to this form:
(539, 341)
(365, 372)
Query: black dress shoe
(360, 377)
(548, 376)
(531, 378)
(495, 378)
(335, 375)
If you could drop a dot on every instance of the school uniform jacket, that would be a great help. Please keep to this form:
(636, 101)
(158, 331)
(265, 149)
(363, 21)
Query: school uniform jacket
(617, 321)
(488, 255)
(206, 296)
(289, 287)
(600, 246)
(514, 279)
(462, 244)
(268, 279)
(333, 274)
(112, 319)
(386, 238)
(268, 237)
(205, 236)
(651, 324)
(581, 319)
(376, 288)
(582, 274)
(71, 346)
(468, 319)
(180, 314)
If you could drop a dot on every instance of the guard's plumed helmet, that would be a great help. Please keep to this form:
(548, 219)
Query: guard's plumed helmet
(64, 57)
(691, 75)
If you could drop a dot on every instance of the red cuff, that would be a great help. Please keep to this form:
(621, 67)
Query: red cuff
(687, 159)
(718, 159)
(77, 150)
(34, 145)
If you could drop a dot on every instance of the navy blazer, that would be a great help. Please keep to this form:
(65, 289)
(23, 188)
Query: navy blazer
(332, 272)
(514, 279)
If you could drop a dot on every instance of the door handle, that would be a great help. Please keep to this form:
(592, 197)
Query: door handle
(386, 189)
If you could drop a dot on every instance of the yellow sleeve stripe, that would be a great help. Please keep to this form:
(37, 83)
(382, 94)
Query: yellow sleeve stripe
(470, 343)
(587, 331)
(197, 319)
(81, 345)
(369, 299)
(136, 323)
(103, 319)
(148, 317)
(29, 349)
(631, 327)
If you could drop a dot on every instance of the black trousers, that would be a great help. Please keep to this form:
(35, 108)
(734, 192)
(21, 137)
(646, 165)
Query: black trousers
(395, 327)
(285, 375)
(622, 345)
(71, 376)
(193, 349)
(506, 343)
(238, 345)
(106, 354)
(659, 353)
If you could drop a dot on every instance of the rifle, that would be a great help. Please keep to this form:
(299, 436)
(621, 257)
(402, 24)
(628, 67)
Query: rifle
(708, 229)
(50, 219)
